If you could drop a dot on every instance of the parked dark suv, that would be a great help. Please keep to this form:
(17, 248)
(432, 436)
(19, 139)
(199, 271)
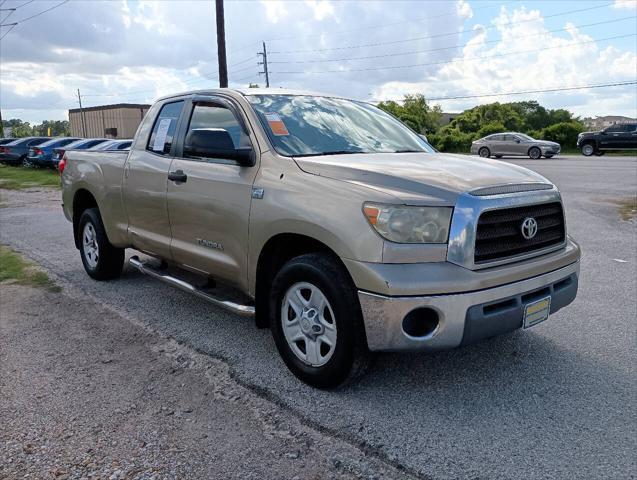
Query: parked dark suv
(616, 137)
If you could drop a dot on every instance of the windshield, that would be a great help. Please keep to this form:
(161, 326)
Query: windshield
(525, 137)
(302, 125)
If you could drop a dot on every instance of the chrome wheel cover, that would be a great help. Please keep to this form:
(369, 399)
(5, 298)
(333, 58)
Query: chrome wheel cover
(91, 250)
(308, 324)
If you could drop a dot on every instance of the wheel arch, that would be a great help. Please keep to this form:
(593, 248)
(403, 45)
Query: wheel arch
(83, 199)
(275, 253)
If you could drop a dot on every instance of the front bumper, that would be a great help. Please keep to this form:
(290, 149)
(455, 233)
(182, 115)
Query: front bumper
(551, 150)
(463, 317)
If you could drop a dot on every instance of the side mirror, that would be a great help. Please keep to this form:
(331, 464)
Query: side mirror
(216, 143)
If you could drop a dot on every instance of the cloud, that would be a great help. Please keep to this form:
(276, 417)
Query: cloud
(134, 51)
(629, 4)
(520, 54)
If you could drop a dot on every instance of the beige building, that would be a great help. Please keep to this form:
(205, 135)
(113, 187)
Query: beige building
(109, 121)
(600, 123)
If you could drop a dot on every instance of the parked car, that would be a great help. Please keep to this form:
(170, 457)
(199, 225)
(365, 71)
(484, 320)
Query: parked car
(4, 141)
(342, 235)
(41, 155)
(15, 153)
(81, 144)
(512, 143)
(616, 137)
(113, 145)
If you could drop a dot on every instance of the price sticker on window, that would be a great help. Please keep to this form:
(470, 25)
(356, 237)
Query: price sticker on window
(276, 124)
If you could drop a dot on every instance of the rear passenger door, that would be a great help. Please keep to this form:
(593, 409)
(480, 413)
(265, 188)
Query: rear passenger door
(145, 179)
(496, 144)
(209, 211)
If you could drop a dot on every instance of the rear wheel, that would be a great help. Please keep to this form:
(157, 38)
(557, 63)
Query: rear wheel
(535, 153)
(316, 321)
(102, 261)
(484, 152)
(588, 149)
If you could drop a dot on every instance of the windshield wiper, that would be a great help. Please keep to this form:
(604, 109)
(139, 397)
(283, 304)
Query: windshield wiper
(335, 152)
(409, 151)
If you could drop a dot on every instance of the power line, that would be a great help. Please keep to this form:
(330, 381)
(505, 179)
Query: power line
(524, 92)
(457, 32)
(415, 52)
(39, 13)
(456, 60)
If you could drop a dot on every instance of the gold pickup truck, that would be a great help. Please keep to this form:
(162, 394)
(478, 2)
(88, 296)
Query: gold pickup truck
(329, 221)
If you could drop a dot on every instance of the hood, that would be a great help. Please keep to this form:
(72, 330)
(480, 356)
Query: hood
(595, 132)
(417, 177)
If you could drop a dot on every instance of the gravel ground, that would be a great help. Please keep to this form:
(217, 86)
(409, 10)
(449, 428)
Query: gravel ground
(87, 393)
(556, 401)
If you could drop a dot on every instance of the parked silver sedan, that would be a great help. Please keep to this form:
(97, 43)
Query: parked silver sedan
(512, 143)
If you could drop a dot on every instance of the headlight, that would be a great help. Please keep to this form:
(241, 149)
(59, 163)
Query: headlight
(402, 224)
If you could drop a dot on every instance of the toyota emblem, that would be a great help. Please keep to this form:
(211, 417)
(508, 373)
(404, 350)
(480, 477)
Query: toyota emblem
(529, 228)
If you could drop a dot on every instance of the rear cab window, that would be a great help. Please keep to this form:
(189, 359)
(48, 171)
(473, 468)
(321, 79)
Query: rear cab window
(161, 137)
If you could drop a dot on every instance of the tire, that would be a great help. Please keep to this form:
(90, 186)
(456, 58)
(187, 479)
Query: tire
(548, 156)
(101, 260)
(535, 153)
(484, 152)
(300, 328)
(498, 156)
(588, 149)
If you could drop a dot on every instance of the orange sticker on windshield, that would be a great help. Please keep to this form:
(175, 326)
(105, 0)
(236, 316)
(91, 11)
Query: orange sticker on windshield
(276, 124)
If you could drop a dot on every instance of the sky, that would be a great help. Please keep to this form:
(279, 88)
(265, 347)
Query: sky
(135, 51)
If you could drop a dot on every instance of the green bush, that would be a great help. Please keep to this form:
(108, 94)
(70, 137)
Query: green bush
(490, 128)
(564, 133)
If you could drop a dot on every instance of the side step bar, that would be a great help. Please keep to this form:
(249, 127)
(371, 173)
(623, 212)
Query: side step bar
(243, 310)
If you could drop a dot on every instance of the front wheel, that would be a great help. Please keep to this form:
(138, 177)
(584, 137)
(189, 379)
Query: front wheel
(535, 153)
(588, 149)
(102, 261)
(316, 321)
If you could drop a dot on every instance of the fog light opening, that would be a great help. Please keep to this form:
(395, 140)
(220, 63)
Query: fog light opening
(421, 322)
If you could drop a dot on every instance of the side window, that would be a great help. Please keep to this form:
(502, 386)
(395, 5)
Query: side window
(66, 142)
(161, 138)
(496, 138)
(206, 116)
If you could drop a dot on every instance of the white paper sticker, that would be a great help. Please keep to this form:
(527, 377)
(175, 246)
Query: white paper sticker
(162, 133)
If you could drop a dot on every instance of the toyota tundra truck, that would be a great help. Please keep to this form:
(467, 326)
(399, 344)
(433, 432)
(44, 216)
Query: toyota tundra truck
(328, 221)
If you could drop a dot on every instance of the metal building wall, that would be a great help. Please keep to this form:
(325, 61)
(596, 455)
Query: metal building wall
(99, 121)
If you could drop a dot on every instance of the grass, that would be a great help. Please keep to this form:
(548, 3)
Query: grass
(14, 269)
(17, 178)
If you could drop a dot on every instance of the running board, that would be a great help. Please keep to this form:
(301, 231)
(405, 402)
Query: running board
(243, 310)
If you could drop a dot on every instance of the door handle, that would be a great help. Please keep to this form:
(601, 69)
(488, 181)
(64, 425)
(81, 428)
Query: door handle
(178, 176)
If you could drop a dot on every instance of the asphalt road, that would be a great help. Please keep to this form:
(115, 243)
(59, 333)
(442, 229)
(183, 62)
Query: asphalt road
(556, 401)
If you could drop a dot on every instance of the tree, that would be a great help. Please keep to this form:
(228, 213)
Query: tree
(18, 127)
(415, 112)
(58, 128)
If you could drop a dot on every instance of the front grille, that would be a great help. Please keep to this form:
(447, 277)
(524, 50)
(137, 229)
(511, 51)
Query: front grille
(499, 232)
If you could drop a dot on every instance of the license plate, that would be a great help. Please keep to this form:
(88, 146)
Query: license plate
(536, 312)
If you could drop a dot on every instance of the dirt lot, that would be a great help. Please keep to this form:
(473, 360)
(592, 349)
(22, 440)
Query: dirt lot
(87, 393)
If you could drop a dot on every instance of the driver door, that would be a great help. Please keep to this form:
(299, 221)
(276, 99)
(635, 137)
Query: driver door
(209, 206)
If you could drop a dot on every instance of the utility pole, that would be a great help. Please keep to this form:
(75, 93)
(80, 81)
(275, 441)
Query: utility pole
(79, 99)
(221, 46)
(264, 54)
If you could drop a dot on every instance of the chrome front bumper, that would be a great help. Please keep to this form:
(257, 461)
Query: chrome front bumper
(383, 315)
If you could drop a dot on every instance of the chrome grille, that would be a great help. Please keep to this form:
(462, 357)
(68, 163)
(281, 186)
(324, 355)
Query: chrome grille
(499, 232)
